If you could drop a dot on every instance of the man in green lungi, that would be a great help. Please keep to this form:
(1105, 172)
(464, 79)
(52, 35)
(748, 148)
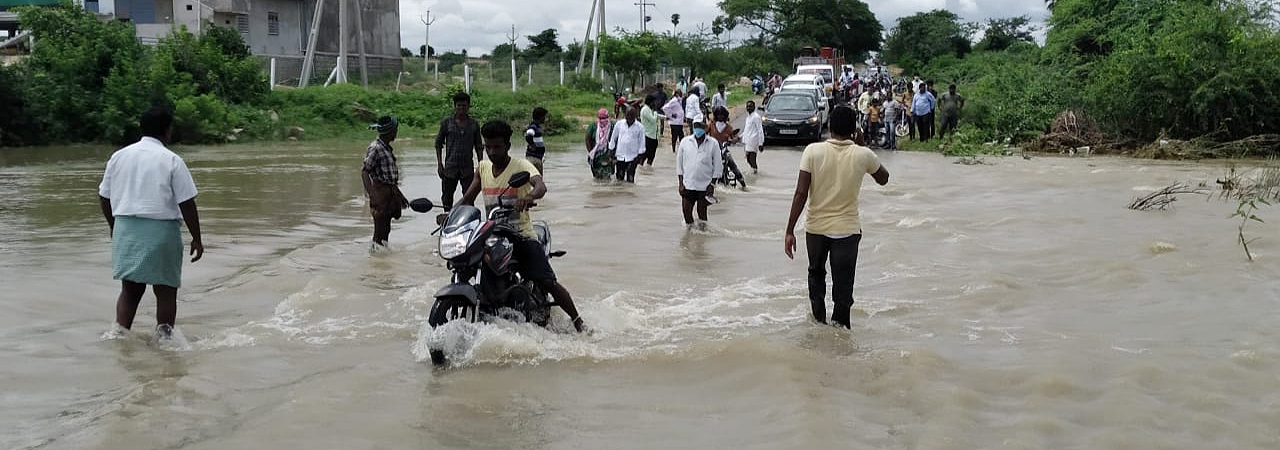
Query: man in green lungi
(146, 189)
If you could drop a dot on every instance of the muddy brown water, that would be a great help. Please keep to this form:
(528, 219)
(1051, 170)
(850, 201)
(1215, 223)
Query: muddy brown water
(1011, 305)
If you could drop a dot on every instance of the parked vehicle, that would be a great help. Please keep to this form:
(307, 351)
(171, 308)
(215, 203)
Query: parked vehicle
(817, 97)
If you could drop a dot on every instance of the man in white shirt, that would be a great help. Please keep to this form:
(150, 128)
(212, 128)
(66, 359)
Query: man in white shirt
(720, 100)
(753, 135)
(698, 162)
(627, 143)
(693, 108)
(146, 189)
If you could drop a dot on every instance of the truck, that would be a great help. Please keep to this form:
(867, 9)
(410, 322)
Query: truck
(823, 61)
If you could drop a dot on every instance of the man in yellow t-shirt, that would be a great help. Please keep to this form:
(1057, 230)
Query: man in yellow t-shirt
(830, 179)
(491, 177)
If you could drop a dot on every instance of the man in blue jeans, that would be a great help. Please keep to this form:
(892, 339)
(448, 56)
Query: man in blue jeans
(830, 180)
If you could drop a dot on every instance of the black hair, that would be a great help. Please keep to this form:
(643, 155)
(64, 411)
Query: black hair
(720, 86)
(156, 121)
(462, 97)
(539, 113)
(720, 112)
(951, 87)
(495, 129)
(842, 121)
(751, 102)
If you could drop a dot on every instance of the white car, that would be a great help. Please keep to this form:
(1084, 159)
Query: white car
(809, 80)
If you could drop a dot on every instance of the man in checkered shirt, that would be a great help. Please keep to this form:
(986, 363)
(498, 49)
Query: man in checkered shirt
(381, 176)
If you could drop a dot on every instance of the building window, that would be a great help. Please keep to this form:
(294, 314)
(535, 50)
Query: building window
(242, 24)
(273, 23)
(188, 7)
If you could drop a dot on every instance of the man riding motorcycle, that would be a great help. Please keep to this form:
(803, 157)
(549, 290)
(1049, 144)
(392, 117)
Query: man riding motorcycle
(491, 176)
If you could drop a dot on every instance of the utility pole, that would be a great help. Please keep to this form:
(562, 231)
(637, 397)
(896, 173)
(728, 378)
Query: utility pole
(595, 49)
(582, 56)
(426, 51)
(644, 17)
(512, 39)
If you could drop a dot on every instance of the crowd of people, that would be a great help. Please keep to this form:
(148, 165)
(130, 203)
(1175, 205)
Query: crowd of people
(147, 189)
(888, 109)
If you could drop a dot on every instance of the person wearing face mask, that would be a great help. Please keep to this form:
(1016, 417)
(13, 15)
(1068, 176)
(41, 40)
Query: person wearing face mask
(725, 134)
(698, 163)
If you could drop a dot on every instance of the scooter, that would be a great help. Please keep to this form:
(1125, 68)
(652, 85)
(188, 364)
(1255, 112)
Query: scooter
(475, 246)
(729, 173)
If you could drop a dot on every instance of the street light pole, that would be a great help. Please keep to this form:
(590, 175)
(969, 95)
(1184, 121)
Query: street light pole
(426, 49)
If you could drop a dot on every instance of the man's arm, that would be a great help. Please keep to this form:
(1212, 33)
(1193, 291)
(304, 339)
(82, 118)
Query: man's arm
(528, 137)
(479, 143)
(798, 200)
(105, 203)
(881, 175)
(473, 190)
(440, 136)
(192, 217)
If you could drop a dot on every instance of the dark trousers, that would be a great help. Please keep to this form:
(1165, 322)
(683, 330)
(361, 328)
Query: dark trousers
(381, 228)
(926, 127)
(650, 151)
(626, 170)
(844, 260)
(911, 127)
(677, 133)
(949, 122)
(448, 185)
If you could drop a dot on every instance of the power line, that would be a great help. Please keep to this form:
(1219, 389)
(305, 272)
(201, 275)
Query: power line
(644, 18)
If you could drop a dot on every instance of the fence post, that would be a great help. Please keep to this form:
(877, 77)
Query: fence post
(466, 76)
(513, 75)
(273, 74)
(437, 70)
(530, 82)
(562, 73)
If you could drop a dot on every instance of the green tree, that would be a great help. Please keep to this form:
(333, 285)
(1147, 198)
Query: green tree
(675, 21)
(921, 37)
(790, 24)
(633, 54)
(422, 49)
(1001, 34)
(544, 46)
(503, 52)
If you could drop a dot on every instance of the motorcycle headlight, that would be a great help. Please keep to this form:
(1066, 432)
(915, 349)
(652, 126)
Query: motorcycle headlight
(454, 244)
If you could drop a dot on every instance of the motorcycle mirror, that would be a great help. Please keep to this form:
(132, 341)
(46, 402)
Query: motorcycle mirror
(519, 179)
(421, 205)
(440, 218)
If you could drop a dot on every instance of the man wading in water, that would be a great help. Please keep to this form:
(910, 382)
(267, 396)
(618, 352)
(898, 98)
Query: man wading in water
(381, 177)
(491, 178)
(830, 180)
(145, 190)
(698, 163)
(461, 135)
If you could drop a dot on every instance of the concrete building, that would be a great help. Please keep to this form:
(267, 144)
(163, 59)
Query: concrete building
(279, 29)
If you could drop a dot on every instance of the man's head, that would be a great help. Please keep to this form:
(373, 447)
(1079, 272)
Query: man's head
(539, 114)
(699, 131)
(388, 127)
(843, 123)
(923, 88)
(497, 141)
(157, 122)
(720, 88)
(721, 114)
(951, 88)
(848, 69)
(751, 106)
(632, 115)
(461, 104)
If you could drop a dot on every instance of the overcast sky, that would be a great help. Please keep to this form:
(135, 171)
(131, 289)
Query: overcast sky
(479, 25)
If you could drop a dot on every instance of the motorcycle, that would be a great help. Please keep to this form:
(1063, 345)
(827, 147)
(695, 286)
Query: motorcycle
(757, 85)
(477, 246)
(729, 173)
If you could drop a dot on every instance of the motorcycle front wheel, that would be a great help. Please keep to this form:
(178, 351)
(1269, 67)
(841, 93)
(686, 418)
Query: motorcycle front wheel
(444, 310)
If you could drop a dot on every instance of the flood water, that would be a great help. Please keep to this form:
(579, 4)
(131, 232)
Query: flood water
(1012, 305)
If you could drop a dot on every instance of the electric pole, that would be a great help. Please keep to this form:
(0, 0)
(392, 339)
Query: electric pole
(512, 39)
(644, 17)
(426, 49)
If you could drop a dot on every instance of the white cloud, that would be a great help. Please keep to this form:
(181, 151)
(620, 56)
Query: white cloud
(480, 25)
